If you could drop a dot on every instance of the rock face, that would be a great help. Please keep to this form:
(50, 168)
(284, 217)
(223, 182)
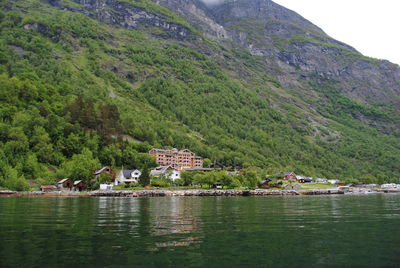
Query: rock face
(128, 16)
(294, 48)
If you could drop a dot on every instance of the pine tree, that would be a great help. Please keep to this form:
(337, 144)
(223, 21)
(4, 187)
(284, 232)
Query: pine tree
(144, 179)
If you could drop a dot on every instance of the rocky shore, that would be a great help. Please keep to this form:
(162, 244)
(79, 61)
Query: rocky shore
(6, 192)
(192, 192)
(199, 192)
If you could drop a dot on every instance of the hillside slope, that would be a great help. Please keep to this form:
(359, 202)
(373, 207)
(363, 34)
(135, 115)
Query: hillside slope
(77, 74)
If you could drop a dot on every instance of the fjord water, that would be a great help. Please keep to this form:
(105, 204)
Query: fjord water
(308, 231)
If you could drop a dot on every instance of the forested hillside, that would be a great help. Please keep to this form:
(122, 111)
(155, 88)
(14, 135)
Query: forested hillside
(82, 87)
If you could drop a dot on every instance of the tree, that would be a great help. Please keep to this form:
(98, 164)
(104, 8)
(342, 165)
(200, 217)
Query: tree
(188, 177)
(225, 179)
(368, 179)
(31, 168)
(235, 183)
(144, 179)
(41, 143)
(206, 163)
(105, 178)
(252, 180)
(81, 166)
(13, 181)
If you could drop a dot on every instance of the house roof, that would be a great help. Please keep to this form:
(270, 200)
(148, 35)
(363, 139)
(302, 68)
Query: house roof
(97, 172)
(220, 165)
(161, 170)
(288, 173)
(170, 151)
(126, 173)
(198, 169)
(48, 187)
(77, 182)
(62, 181)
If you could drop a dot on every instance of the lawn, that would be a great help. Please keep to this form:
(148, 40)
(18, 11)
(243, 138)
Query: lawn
(308, 186)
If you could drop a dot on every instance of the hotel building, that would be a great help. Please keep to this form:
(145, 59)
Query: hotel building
(179, 160)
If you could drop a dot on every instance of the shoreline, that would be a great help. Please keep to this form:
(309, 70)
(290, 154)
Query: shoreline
(197, 192)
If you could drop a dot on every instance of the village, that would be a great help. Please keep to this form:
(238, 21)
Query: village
(183, 168)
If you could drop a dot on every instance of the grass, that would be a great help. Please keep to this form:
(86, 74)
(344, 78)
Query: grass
(315, 186)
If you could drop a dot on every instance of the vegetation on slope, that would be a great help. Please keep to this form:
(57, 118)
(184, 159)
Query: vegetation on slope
(72, 88)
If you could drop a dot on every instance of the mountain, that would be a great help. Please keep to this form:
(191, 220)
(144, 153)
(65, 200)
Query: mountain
(87, 83)
(295, 48)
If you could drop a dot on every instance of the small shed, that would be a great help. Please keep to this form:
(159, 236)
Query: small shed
(80, 186)
(65, 184)
(289, 176)
(48, 188)
(270, 183)
(265, 183)
(107, 170)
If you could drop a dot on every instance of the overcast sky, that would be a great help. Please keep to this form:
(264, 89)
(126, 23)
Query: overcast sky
(370, 26)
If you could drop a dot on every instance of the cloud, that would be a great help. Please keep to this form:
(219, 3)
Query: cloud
(212, 2)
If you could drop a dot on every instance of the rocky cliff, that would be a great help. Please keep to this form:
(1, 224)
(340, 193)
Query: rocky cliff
(127, 15)
(294, 49)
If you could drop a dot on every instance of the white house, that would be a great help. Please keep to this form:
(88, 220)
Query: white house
(390, 186)
(166, 171)
(321, 180)
(333, 181)
(106, 187)
(128, 176)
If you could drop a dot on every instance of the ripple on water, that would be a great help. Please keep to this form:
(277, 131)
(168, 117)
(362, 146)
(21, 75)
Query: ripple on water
(201, 231)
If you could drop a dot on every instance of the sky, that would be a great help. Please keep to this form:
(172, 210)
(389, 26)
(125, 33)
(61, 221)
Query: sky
(370, 26)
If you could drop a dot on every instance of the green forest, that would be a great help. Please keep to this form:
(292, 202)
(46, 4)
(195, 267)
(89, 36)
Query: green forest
(76, 95)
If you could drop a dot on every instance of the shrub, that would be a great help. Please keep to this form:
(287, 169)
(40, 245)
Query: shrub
(159, 182)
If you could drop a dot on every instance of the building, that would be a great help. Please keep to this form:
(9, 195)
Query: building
(321, 180)
(303, 179)
(107, 170)
(334, 182)
(65, 184)
(80, 186)
(179, 160)
(106, 187)
(228, 167)
(290, 176)
(48, 188)
(166, 171)
(128, 176)
(199, 169)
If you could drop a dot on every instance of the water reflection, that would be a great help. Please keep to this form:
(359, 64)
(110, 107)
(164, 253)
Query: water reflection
(193, 231)
(174, 217)
(170, 219)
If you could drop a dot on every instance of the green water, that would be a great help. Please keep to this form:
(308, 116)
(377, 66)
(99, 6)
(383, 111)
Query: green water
(314, 231)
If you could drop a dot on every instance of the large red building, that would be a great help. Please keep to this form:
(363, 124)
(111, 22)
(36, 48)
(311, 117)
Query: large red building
(179, 160)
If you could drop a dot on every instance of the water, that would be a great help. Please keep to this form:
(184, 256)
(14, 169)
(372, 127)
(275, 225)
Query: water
(309, 231)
